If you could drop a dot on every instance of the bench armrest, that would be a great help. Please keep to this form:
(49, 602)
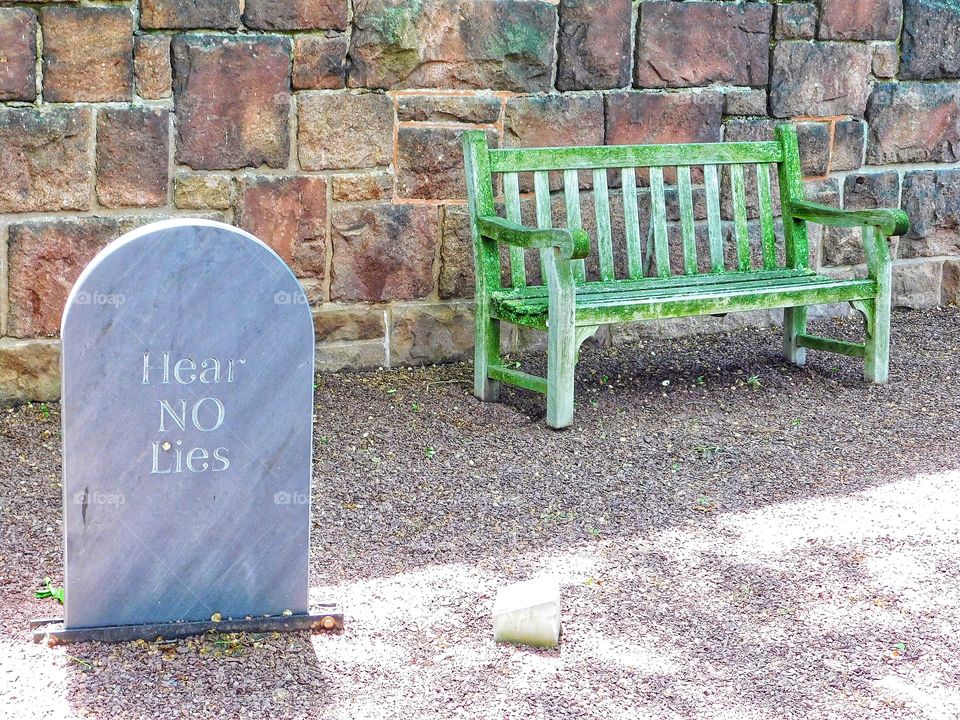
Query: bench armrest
(573, 243)
(890, 221)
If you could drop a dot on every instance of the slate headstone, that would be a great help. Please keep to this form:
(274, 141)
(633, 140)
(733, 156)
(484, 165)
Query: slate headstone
(187, 430)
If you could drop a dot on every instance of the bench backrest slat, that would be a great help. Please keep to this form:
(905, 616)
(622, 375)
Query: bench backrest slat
(768, 238)
(571, 196)
(541, 191)
(601, 211)
(712, 182)
(741, 231)
(685, 191)
(511, 191)
(657, 211)
(631, 221)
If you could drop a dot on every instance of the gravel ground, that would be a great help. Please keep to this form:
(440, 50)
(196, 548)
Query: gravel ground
(735, 538)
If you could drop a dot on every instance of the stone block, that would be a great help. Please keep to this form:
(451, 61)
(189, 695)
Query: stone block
(296, 14)
(699, 43)
(194, 191)
(480, 108)
(456, 254)
(751, 129)
(505, 45)
(931, 198)
(430, 162)
(190, 14)
(824, 190)
(528, 613)
(45, 258)
(18, 54)
(861, 191)
(133, 157)
(29, 371)
(594, 44)
(232, 100)
(151, 65)
(914, 122)
(290, 215)
(860, 19)
(819, 79)
(47, 164)
(353, 355)
(796, 21)
(916, 284)
(849, 139)
(319, 63)
(866, 191)
(344, 130)
(634, 118)
(745, 101)
(333, 322)
(426, 333)
(950, 284)
(886, 59)
(814, 141)
(383, 252)
(931, 40)
(553, 121)
(362, 186)
(87, 54)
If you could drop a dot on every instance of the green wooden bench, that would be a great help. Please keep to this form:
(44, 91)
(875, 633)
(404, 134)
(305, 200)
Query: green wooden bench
(766, 273)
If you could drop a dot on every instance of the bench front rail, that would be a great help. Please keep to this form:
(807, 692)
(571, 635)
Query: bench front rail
(680, 236)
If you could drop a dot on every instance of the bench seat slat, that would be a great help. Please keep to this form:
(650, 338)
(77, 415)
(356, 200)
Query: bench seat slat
(633, 305)
(673, 281)
(619, 156)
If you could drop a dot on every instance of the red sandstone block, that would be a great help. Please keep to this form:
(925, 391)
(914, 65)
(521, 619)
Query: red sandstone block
(18, 54)
(133, 157)
(383, 252)
(46, 258)
(290, 215)
(46, 159)
(232, 99)
(87, 54)
(698, 43)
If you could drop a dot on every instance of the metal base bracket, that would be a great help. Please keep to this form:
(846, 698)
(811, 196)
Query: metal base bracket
(325, 617)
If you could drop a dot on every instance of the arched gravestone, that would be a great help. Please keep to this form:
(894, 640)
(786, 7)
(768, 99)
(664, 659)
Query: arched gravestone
(187, 359)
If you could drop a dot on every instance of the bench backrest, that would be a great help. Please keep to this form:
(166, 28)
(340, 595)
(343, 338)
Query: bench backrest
(651, 210)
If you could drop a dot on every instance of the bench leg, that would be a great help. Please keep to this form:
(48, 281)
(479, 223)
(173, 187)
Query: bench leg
(794, 323)
(486, 352)
(876, 360)
(561, 363)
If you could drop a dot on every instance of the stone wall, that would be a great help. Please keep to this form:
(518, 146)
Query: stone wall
(330, 129)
